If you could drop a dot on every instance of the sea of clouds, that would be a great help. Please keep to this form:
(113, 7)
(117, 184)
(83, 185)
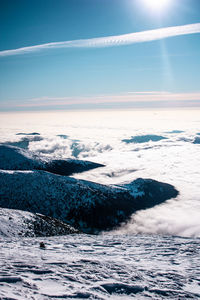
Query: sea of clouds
(162, 145)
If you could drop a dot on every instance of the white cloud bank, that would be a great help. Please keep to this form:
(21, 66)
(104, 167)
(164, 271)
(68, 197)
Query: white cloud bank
(118, 40)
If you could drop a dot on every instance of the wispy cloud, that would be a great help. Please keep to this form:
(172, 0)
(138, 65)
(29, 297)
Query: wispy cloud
(110, 41)
(146, 99)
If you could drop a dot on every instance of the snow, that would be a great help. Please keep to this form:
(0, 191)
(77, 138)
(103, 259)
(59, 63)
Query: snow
(18, 223)
(100, 267)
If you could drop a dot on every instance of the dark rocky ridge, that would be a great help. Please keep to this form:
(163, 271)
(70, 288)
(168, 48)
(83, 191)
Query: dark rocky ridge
(14, 158)
(31, 133)
(138, 139)
(89, 206)
(69, 166)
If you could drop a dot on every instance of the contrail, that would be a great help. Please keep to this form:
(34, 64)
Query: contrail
(110, 41)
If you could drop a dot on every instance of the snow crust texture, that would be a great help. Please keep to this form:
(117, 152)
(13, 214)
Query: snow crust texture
(100, 267)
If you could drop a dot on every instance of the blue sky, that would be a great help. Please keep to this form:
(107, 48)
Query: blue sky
(162, 72)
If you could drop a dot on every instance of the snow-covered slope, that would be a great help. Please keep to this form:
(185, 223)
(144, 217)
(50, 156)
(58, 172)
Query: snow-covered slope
(15, 223)
(15, 158)
(86, 205)
(101, 267)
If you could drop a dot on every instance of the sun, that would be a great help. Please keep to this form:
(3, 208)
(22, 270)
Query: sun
(157, 5)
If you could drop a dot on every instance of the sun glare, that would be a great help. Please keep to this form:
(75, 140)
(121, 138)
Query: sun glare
(157, 5)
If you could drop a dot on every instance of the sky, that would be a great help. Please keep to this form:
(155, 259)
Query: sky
(90, 54)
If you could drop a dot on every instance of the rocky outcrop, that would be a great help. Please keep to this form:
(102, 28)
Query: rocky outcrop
(15, 223)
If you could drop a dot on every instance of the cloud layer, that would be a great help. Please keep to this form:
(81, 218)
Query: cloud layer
(118, 40)
(97, 136)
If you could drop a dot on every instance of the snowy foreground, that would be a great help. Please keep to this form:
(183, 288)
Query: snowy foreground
(100, 267)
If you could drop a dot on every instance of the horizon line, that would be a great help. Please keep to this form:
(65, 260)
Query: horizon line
(139, 98)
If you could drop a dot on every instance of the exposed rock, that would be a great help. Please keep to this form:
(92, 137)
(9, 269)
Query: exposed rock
(42, 245)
